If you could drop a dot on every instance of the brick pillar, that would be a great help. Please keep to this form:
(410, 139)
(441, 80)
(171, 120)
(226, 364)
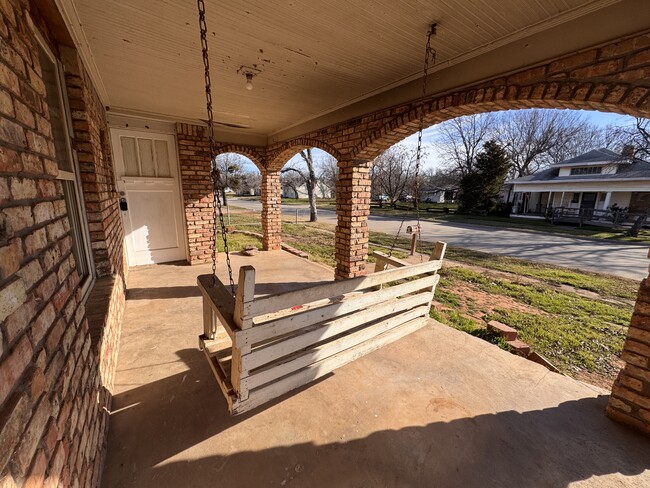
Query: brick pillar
(271, 212)
(352, 210)
(194, 161)
(630, 399)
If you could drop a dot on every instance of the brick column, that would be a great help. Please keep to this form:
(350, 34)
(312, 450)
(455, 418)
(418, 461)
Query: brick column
(194, 161)
(352, 210)
(271, 212)
(630, 399)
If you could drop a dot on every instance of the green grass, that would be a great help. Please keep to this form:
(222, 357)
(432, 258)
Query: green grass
(605, 285)
(543, 298)
(305, 201)
(457, 321)
(573, 332)
(569, 343)
(237, 242)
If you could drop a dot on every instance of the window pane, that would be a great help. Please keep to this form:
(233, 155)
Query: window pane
(146, 157)
(130, 156)
(75, 225)
(593, 170)
(57, 113)
(162, 158)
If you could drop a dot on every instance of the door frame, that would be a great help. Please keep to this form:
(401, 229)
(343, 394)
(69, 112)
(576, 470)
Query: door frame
(117, 128)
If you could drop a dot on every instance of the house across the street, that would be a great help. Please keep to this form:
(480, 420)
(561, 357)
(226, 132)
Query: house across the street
(598, 185)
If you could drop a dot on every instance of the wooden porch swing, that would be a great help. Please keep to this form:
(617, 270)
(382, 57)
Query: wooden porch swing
(261, 347)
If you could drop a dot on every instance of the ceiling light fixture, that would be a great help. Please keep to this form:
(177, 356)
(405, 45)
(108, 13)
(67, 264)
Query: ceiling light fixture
(249, 73)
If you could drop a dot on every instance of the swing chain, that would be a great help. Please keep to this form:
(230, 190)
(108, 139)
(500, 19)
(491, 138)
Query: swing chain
(429, 56)
(214, 172)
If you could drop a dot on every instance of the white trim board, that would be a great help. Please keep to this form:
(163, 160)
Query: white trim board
(73, 22)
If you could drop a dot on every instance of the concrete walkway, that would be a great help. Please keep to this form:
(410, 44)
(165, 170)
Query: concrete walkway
(628, 260)
(438, 408)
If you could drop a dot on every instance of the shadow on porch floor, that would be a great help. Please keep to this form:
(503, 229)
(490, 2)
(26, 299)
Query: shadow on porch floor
(437, 408)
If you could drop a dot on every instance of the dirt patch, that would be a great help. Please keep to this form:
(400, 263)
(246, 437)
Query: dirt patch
(478, 303)
(601, 380)
(515, 278)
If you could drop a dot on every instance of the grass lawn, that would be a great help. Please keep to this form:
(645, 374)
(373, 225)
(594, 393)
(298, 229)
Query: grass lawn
(578, 320)
(325, 202)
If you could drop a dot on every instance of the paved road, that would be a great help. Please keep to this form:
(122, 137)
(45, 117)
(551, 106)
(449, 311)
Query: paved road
(621, 259)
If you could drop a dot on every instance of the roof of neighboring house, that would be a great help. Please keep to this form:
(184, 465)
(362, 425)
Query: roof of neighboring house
(602, 156)
(629, 169)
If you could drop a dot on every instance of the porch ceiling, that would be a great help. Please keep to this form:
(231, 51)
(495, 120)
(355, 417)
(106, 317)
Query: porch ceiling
(315, 57)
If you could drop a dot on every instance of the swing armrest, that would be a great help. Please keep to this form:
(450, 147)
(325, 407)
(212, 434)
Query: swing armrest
(222, 303)
(383, 259)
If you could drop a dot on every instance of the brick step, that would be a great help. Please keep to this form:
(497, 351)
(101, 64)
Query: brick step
(520, 347)
(539, 359)
(503, 330)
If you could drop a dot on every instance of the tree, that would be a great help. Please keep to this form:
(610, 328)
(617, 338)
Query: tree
(328, 174)
(293, 180)
(589, 138)
(391, 174)
(440, 180)
(636, 137)
(310, 180)
(251, 182)
(480, 188)
(459, 140)
(230, 167)
(533, 139)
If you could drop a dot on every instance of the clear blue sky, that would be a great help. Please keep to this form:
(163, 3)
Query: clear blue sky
(601, 119)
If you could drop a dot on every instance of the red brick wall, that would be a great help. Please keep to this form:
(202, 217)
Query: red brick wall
(90, 141)
(55, 380)
(630, 399)
(194, 161)
(352, 209)
(271, 210)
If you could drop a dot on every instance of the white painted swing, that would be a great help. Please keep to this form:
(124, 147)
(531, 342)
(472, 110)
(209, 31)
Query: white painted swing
(261, 347)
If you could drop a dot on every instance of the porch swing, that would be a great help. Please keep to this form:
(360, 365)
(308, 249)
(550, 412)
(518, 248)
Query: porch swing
(262, 347)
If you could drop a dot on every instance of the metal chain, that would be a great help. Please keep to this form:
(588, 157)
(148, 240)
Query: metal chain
(214, 173)
(429, 55)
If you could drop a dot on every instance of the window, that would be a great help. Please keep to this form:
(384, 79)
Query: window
(587, 170)
(68, 173)
(575, 198)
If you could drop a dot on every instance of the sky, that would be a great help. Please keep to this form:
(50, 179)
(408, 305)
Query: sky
(433, 160)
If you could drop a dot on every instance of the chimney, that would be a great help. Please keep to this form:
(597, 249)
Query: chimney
(628, 151)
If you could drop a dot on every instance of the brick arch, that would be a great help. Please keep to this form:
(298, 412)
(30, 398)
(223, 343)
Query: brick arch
(247, 151)
(278, 156)
(613, 78)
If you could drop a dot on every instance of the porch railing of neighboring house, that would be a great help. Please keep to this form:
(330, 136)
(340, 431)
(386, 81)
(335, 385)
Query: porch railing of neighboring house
(580, 216)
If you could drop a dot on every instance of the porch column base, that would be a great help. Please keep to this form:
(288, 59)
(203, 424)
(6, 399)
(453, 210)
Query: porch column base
(352, 210)
(630, 399)
(271, 211)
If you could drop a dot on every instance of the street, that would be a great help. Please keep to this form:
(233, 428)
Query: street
(618, 258)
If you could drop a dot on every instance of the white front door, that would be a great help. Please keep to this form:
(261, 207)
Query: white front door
(147, 179)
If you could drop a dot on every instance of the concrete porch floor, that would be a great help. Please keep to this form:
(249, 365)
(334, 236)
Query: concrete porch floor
(438, 408)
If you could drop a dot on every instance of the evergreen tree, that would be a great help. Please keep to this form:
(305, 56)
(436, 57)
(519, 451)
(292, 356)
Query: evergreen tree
(480, 188)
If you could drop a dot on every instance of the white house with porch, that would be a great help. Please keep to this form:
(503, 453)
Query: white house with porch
(599, 180)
